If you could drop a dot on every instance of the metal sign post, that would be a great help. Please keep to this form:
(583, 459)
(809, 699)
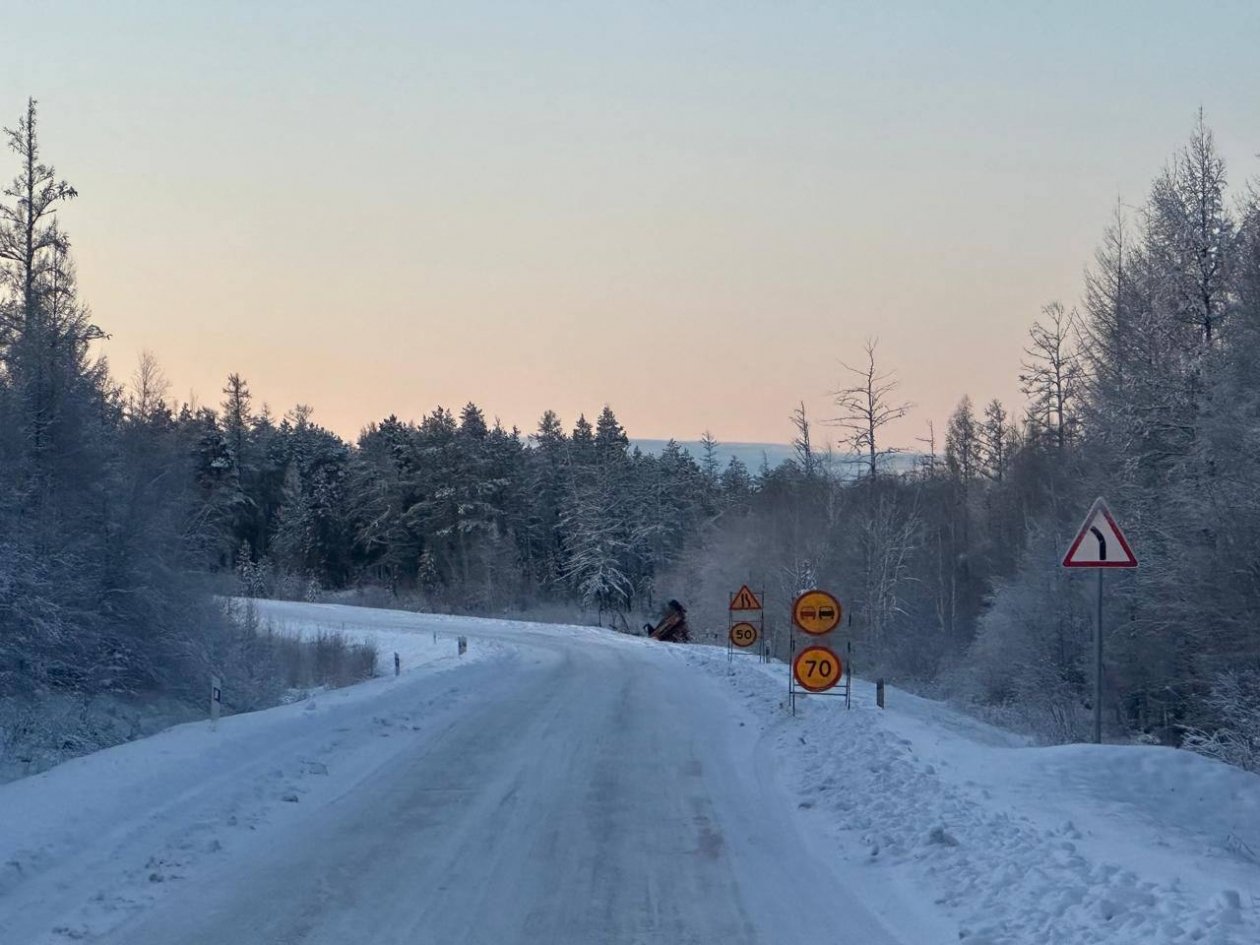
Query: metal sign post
(743, 633)
(1099, 544)
(816, 669)
(1098, 664)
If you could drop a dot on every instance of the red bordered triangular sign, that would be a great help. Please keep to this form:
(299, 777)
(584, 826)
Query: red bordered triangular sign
(1100, 543)
(745, 599)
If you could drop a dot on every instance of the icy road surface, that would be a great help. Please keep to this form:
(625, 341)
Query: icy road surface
(555, 785)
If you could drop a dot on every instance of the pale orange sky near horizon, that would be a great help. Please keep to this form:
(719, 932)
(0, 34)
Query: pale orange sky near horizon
(692, 212)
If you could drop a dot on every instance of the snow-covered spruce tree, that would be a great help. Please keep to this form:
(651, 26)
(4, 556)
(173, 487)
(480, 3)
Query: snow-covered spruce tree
(736, 486)
(546, 477)
(711, 470)
(380, 493)
(595, 523)
(55, 449)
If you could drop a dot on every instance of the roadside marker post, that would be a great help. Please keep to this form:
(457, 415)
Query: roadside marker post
(1099, 544)
(216, 701)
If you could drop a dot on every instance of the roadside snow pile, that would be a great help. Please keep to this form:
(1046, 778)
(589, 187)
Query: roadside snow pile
(418, 639)
(1053, 846)
(100, 838)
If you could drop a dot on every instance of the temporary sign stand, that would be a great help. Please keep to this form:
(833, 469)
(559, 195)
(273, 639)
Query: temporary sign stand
(746, 625)
(1099, 544)
(817, 669)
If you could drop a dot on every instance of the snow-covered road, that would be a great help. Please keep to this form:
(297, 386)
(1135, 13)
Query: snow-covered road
(570, 785)
(558, 785)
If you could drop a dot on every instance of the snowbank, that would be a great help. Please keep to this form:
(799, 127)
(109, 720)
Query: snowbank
(1061, 846)
(98, 838)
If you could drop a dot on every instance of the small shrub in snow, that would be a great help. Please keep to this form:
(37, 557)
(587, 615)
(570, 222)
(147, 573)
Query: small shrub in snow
(939, 836)
(1235, 736)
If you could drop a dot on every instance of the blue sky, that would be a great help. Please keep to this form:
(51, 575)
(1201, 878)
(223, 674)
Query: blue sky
(693, 212)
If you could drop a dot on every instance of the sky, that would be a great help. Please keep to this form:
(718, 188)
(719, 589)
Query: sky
(693, 212)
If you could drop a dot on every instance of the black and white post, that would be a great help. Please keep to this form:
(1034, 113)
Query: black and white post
(216, 700)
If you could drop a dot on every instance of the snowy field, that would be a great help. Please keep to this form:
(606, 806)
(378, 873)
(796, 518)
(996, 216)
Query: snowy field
(571, 785)
(418, 639)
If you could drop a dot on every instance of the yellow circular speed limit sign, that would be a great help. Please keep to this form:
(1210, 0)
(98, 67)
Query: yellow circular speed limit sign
(817, 668)
(816, 612)
(743, 634)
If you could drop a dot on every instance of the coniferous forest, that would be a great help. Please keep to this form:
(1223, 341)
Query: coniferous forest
(123, 513)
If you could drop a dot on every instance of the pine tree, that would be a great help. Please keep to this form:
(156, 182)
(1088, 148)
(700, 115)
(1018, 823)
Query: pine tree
(582, 443)
(543, 547)
(711, 469)
(611, 442)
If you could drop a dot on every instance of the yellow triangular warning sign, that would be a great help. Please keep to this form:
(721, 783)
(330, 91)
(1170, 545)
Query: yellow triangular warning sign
(745, 599)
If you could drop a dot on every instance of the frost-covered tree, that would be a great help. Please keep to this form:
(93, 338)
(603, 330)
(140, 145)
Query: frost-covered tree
(1191, 236)
(963, 448)
(1051, 378)
(598, 565)
(997, 441)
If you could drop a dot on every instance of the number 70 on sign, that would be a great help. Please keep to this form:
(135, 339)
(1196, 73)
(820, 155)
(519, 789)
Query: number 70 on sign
(817, 668)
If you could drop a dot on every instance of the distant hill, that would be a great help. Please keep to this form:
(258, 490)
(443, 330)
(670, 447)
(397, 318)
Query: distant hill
(752, 454)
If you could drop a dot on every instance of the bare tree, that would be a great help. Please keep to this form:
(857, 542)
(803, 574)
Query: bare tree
(805, 455)
(1193, 236)
(888, 534)
(929, 462)
(866, 407)
(997, 437)
(1051, 377)
(149, 386)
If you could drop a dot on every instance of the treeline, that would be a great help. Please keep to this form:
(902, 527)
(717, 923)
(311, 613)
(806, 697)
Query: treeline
(947, 558)
(1148, 393)
(109, 514)
(451, 512)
